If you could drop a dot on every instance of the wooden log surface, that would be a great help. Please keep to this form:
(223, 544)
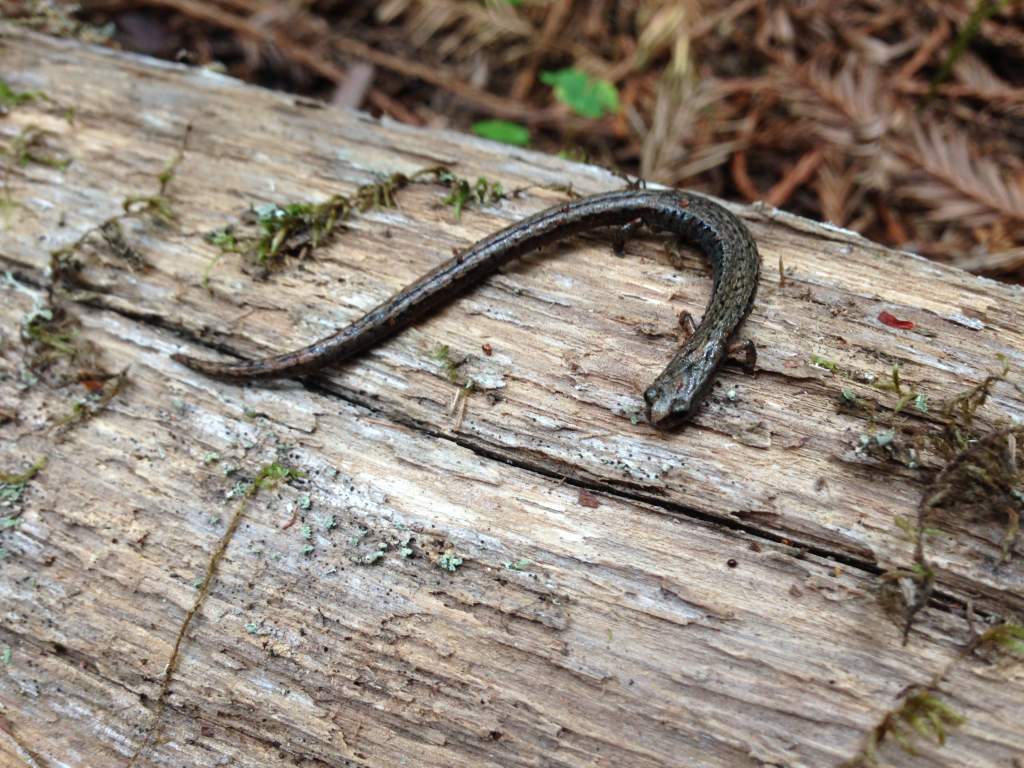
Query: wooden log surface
(624, 597)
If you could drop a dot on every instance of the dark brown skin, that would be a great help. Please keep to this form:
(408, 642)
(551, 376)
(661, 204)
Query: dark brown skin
(678, 390)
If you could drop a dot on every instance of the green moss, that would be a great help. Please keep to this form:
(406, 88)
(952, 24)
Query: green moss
(463, 192)
(824, 362)
(967, 462)
(106, 388)
(224, 239)
(441, 353)
(268, 235)
(19, 479)
(10, 98)
(12, 489)
(921, 714)
(66, 263)
(272, 475)
(35, 146)
(52, 335)
(113, 235)
(158, 205)
(1008, 637)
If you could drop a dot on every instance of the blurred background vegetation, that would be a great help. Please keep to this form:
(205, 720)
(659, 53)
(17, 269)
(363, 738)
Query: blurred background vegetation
(901, 120)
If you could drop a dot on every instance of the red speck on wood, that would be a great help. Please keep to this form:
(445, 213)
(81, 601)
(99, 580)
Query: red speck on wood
(892, 321)
(587, 499)
(488, 349)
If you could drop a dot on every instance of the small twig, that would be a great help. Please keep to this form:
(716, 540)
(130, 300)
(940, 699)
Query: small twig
(797, 176)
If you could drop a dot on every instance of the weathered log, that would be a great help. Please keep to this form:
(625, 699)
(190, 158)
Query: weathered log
(532, 580)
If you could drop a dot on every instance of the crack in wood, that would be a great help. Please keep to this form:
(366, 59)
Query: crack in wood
(944, 601)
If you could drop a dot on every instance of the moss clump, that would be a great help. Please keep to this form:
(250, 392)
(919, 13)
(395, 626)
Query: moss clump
(970, 462)
(100, 390)
(36, 145)
(268, 235)
(463, 193)
(921, 714)
(10, 98)
(12, 485)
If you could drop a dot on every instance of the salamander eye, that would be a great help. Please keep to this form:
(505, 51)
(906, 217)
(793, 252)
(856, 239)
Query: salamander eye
(680, 413)
(651, 394)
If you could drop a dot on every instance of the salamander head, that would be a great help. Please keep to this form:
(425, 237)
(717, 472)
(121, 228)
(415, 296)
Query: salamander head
(666, 409)
(677, 394)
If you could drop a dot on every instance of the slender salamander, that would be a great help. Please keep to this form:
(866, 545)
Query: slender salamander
(672, 398)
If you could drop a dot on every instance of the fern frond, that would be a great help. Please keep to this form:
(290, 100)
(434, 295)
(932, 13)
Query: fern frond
(957, 181)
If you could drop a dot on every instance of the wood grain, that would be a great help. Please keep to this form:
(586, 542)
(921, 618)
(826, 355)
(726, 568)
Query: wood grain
(716, 607)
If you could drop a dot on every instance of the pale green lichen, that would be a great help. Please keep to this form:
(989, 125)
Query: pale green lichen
(448, 561)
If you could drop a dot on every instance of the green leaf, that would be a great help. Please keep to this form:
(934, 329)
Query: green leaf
(503, 131)
(583, 94)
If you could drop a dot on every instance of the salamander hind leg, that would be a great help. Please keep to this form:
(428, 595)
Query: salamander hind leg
(743, 353)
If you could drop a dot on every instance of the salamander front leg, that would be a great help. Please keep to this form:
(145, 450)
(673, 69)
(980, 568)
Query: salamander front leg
(742, 352)
(687, 324)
